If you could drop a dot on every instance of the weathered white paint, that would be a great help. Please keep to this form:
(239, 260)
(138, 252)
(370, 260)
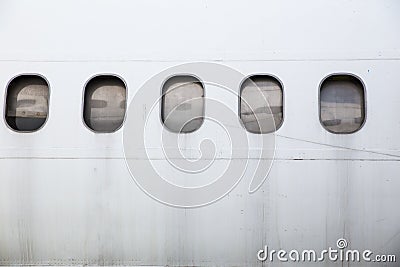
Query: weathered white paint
(66, 196)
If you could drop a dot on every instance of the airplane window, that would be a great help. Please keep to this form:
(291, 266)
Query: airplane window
(261, 104)
(342, 104)
(104, 104)
(27, 103)
(182, 104)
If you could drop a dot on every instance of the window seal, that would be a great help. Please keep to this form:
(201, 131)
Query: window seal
(364, 98)
(83, 101)
(37, 74)
(161, 100)
(240, 95)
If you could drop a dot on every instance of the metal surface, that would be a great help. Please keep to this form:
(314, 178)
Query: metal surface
(67, 198)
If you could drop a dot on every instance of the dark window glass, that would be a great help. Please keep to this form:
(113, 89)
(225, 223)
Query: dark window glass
(182, 104)
(104, 104)
(261, 104)
(27, 103)
(342, 108)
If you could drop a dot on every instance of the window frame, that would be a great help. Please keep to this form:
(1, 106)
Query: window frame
(5, 101)
(161, 100)
(240, 100)
(83, 101)
(364, 87)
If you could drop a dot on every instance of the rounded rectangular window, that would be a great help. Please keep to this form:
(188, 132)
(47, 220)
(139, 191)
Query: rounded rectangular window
(182, 107)
(261, 104)
(27, 103)
(104, 104)
(342, 104)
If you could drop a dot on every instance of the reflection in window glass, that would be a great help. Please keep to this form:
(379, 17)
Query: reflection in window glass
(261, 104)
(104, 104)
(342, 107)
(182, 104)
(27, 103)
